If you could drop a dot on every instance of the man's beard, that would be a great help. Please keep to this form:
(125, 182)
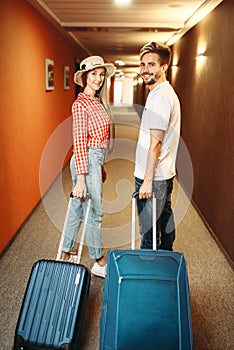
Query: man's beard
(153, 79)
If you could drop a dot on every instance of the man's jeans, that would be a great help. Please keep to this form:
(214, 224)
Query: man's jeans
(165, 226)
(75, 215)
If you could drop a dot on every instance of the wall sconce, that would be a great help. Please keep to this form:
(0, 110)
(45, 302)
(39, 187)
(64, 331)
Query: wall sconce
(200, 57)
(174, 67)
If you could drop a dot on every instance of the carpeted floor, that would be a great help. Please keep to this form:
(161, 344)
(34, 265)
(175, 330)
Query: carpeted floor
(210, 276)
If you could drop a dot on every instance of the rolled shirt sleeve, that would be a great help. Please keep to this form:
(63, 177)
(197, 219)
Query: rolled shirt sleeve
(80, 137)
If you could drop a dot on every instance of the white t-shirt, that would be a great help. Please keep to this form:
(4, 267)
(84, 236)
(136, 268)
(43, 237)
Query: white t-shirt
(162, 111)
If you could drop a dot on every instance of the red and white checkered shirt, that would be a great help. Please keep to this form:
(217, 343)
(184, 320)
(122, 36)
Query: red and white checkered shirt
(91, 125)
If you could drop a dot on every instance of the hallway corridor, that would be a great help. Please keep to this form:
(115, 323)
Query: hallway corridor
(210, 276)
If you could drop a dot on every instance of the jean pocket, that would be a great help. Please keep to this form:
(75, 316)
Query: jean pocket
(97, 155)
(138, 183)
(160, 188)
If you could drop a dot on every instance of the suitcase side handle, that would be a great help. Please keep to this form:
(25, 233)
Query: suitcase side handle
(154, 219)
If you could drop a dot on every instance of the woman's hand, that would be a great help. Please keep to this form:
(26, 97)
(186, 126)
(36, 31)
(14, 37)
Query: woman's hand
(111, 146)
(103, 174)
(80, 189)
(111, 138)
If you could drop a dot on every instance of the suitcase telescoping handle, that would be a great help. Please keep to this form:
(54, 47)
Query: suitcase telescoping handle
(154, 219)
(88, 198)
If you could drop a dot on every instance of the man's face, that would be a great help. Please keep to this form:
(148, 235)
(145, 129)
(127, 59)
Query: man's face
(151, 70)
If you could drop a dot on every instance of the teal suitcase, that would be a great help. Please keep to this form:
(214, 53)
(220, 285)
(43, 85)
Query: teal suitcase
(146, 301)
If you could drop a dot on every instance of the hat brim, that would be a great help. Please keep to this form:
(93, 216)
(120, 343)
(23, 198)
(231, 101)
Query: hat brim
(110, 70)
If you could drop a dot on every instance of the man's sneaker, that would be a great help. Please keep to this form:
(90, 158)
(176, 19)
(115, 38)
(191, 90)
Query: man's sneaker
(98, 270)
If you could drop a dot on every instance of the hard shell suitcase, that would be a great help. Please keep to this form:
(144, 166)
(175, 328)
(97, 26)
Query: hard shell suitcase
(146, 303)
(53, 308)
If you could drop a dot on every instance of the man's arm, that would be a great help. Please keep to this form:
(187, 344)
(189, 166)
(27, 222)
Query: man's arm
(156, 137)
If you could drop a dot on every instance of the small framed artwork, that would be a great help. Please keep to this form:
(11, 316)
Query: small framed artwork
(66, 79)
(49, 74)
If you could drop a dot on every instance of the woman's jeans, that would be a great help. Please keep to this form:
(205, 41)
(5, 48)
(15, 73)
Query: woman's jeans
(165, 226)
(78, 207)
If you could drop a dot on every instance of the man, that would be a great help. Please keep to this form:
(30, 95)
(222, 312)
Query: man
(157, 147)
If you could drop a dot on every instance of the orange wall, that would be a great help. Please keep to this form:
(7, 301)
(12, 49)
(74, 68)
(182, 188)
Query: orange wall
(29, 114)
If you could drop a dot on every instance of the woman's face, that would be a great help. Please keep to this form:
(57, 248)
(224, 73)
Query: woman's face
(95, 78)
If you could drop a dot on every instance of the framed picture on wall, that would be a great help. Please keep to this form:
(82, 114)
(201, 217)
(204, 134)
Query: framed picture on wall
(49, 74)
(66, 79)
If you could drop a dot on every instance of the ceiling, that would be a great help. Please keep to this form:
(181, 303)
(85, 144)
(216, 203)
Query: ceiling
(118, 31)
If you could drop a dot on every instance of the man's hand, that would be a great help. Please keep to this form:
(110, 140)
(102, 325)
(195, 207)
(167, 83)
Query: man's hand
(145, 190)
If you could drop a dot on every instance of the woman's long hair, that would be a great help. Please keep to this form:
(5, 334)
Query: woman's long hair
(101, 93)
(103, 97)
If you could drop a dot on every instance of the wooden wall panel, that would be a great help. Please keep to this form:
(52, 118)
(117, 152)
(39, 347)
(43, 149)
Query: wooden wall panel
(206, 91)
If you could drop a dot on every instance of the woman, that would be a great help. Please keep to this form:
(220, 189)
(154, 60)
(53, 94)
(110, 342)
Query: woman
(91, 130)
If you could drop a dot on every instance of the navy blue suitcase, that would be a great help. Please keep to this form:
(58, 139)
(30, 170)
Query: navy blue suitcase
(146, 301)
(52, 312)
(53, 308)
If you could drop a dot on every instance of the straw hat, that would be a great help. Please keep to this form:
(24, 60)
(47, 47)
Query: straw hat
(90, 63)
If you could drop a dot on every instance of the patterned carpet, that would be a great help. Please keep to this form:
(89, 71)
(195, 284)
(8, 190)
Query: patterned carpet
(210, 276)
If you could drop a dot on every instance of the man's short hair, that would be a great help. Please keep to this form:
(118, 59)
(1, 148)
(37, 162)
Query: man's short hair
(162, 50)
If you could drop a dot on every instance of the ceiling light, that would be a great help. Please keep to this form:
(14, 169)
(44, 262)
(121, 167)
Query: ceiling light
(120, 62)
(123, 2)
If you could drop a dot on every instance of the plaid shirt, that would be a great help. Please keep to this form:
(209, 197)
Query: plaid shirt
(91, 125)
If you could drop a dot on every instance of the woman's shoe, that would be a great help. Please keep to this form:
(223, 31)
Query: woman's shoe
(98, 270)
(65, 256)
(71, 258)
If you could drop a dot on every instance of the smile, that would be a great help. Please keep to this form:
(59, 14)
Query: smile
(147, 75)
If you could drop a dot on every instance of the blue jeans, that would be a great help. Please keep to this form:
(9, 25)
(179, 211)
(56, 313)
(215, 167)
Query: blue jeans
(165, 226)
(77, 208)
